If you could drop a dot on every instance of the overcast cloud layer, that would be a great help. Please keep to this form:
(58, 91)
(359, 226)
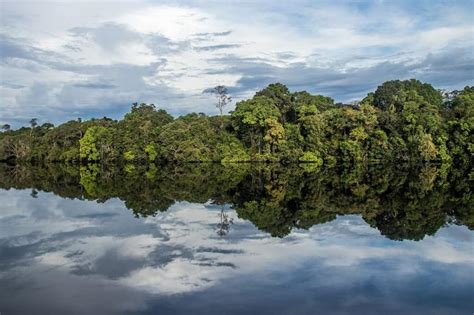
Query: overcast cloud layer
(66, 59)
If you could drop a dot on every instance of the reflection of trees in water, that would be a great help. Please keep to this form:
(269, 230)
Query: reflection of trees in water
(34, 193)
(223, 227)
(402, 202)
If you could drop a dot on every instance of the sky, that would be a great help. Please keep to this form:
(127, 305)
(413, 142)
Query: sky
(60, 60)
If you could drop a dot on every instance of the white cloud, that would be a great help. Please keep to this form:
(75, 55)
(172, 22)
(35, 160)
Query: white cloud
(188, 48)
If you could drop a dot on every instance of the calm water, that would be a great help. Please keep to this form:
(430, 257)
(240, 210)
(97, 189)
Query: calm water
(216, 240)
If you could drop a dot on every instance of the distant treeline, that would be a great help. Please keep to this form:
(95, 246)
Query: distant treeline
(400, 121)
(401, 201)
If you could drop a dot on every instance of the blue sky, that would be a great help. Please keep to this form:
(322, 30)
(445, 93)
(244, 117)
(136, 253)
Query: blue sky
(66, 59)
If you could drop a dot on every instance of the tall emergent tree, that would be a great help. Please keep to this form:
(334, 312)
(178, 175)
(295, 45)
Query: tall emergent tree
(33, 124)
(223, 99)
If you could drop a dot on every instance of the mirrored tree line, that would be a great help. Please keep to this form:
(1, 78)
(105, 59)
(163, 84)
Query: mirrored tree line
(401, 201)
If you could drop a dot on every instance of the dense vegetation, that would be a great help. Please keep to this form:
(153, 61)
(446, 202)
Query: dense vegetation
(400, 121)
(403, 202)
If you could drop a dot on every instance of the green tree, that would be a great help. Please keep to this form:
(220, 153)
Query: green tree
(281, 97)
(274, 134)
(97, 144)
(461, 128)
(250, 120)
(393, 93)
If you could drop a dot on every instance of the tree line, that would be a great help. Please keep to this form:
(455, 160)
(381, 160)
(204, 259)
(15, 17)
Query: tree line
(399, 121)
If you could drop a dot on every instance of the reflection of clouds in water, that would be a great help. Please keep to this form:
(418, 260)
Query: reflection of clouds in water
(20, 214)
(54, 290)
(85, 246)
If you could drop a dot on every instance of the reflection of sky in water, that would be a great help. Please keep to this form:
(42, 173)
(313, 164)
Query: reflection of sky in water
(71, 256)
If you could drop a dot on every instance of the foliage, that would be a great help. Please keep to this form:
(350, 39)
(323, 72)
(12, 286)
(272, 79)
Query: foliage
(392, 93)
(96, 144)
(400, 121)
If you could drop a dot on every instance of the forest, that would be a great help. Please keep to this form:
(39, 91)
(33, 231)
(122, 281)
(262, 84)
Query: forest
(401, 121)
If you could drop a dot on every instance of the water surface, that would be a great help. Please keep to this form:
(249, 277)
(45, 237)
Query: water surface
(214, 240)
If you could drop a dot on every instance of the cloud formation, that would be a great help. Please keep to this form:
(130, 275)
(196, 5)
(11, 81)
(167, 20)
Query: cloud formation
(62, 60)
(119, 264)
